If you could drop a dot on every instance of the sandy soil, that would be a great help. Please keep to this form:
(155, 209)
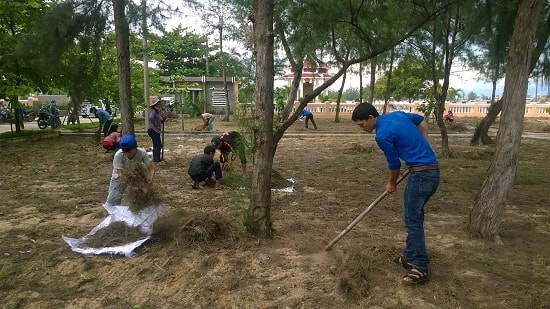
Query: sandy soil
(200, 256)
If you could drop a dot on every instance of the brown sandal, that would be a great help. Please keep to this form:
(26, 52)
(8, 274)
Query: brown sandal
(401, 261)
(415, 276)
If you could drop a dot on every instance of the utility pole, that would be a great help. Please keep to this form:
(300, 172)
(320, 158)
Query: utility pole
(145, 53)
(226, 92)
(207, 73)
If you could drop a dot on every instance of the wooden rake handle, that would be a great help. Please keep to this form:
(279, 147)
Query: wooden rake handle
(364, 213)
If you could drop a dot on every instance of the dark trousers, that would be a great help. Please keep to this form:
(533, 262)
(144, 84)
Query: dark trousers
(308, 118)
(106, 127)
(214, 168)
(157, 144)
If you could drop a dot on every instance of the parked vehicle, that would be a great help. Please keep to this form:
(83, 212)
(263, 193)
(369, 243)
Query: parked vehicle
(29, 115)
(5, 115)
(48, 116)
(85, 109)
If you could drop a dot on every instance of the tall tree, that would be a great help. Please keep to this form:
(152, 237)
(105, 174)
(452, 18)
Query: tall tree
(18, 75)
(439, 44)
(486, 216)
(260, 204)
(123, 64)
(542, 45)
(373, 29)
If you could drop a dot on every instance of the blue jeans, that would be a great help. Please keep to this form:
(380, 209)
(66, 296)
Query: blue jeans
(116, 189)
(418, 190)
(210, 120)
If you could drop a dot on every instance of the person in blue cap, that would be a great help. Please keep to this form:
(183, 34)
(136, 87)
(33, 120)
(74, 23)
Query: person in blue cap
(128, 152)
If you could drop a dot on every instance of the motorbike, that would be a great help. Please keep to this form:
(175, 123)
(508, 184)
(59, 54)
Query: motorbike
(5, 115)
(47, 114)
(29, 115)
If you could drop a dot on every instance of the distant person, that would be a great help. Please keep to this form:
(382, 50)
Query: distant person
(128, 152)
(230, 142)
(111, 141)
(104, 118)
(54, 115)
(154, 127)
(450, 117)
(404, 136)
(207, 120)
(203, 166)
(308, 116)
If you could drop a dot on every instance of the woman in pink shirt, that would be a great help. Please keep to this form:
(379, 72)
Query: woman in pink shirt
(111, 141)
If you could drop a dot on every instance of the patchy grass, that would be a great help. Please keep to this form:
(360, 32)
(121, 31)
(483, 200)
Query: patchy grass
(200, 255)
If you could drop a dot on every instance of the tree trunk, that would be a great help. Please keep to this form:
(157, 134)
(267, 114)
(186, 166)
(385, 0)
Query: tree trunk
(486, 216)
(481, 132)
(123, 63)
(372, 80)
(388, 84)
(145, 34)
(340, 91)
(360, 82)
(293, 90)
(260, 201)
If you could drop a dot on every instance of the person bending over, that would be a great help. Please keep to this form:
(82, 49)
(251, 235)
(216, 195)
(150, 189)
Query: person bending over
(404, 136)
(230, 142)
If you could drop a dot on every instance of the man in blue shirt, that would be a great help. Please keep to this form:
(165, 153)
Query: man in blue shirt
(404, 136)
(104, 118)
(309, 116)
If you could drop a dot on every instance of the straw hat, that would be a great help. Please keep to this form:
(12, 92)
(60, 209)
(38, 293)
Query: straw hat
(154, 102)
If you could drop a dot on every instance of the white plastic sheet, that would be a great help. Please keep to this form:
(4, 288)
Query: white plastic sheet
(143, 220)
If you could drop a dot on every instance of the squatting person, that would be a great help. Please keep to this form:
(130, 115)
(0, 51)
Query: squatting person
(203, 166)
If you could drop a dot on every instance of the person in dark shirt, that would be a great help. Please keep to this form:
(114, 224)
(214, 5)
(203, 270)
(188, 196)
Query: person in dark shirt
(203, 166)
(230, 142)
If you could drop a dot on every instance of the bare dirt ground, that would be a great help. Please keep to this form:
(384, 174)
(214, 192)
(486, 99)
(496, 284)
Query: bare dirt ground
(201, 257)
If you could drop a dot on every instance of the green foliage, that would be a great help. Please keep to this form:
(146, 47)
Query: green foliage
(280, 95)
(408, 81)
(427, 108)
(86, 277)
(251, 224)
(193, 108)
(3, 273)
(179, 52)
(24, 133)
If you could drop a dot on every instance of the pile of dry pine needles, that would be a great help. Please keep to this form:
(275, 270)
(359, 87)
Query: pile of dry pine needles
(140, 193)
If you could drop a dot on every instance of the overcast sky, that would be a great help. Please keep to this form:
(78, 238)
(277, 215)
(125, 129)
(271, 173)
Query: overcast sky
(460, 78)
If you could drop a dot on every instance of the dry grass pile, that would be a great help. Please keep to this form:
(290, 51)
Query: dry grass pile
(352, 272)
(195, 227)
(458, 127)
(116, 234)
(140, 193)
(359, 148)
(278, 181)
(200, 128)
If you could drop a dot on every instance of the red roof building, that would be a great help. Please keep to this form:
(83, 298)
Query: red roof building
(312, 77)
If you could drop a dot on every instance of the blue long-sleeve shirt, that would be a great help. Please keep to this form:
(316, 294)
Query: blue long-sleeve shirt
(102, 115)
(399, 138)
